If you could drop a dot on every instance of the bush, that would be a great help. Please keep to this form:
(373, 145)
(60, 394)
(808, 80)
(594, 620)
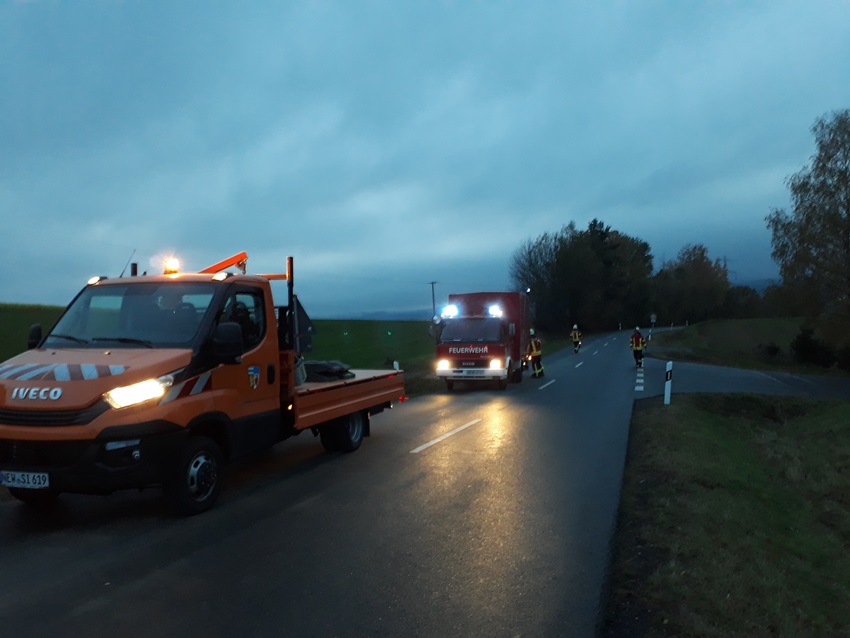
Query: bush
(808, 349)
(768, 350)
(844, 358)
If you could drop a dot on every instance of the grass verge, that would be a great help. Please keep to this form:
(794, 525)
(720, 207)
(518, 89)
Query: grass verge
(763, 344)
(734, 519)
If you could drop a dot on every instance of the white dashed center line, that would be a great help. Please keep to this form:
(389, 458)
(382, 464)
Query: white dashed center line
(443, 437)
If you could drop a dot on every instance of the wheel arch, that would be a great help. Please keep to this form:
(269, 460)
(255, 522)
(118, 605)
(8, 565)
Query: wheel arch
(216, 426)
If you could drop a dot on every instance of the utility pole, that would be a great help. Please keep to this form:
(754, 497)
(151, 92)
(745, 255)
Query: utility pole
(433, 298)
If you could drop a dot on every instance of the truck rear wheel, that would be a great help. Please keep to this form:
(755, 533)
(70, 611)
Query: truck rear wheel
(329, 436)
(344, 434)
(352, 431)
(38, 498)
(196, 482)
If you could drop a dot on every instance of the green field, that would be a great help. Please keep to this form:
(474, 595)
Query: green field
(734, 519)
(15, 321)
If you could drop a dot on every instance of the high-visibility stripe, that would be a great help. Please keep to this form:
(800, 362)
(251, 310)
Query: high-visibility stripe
(38, 372)
(60, 371)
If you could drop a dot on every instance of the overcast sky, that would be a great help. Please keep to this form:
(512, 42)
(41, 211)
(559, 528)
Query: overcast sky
(388, 144)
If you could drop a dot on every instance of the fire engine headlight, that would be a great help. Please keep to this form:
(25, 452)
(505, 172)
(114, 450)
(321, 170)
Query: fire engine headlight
(148, 390)
(443, 364)
(496, 364)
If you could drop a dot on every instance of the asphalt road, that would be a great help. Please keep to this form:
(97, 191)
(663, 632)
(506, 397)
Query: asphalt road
(475, 513)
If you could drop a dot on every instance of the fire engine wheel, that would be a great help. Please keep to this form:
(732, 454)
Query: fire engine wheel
(450, 385)
(196, 483)
(516, 377)
(502, 383)
(38, 498)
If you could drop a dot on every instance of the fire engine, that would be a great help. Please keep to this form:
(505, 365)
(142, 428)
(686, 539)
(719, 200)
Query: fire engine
(160, 380)
(483, 336)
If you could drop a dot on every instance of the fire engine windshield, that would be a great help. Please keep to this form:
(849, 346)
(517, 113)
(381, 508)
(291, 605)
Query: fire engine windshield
(484, 330)
(137, 315)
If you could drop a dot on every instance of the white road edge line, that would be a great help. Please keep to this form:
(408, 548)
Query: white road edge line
(793, 376)
(443, 437)
(547, 384)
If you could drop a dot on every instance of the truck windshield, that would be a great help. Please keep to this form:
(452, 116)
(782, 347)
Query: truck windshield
(484, 329)
(134, 315)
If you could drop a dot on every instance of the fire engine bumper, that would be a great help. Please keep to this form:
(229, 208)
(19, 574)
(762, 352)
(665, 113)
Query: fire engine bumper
(120, 458)
(472, 374)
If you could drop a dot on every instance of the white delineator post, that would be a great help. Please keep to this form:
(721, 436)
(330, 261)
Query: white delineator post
(668, 382)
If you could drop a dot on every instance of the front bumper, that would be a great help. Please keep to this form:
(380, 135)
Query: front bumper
(472, 374)
(120, 458)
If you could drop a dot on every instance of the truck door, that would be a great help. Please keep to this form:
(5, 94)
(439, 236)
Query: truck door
(251, 389)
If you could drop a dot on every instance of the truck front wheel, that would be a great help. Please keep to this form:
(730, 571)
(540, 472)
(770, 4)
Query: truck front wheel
(196, 483)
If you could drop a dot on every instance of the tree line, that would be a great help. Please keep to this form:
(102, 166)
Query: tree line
(603, 279)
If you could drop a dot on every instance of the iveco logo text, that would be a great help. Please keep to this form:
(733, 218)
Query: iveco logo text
(42, 394)
(468, 350)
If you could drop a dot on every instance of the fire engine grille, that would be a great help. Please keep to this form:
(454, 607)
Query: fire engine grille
(43, 454)
(46, 418)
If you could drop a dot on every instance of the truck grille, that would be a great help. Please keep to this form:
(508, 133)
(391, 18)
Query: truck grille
(47, 418)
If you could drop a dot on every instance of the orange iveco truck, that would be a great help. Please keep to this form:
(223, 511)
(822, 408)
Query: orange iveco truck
(483, 336)
(160, 380)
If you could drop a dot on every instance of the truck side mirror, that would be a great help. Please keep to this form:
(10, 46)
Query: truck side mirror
(227, 342)
(34, 336)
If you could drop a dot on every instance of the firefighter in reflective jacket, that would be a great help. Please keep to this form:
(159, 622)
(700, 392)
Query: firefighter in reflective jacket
(535, 355)
(638, 344)
(575, 335)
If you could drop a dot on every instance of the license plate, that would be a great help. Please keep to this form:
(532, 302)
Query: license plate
(27, 480)
(474, 373)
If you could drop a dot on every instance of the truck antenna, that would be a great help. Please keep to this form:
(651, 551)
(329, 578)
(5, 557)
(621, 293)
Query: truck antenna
(127, 264)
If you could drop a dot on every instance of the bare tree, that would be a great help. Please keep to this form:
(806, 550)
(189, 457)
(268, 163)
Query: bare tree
(812, 243)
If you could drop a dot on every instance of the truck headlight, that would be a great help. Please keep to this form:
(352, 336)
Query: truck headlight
(496, 364)
(148, 390)
(443, 364)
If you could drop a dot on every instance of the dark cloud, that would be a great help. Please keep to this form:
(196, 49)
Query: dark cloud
(386, 144)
